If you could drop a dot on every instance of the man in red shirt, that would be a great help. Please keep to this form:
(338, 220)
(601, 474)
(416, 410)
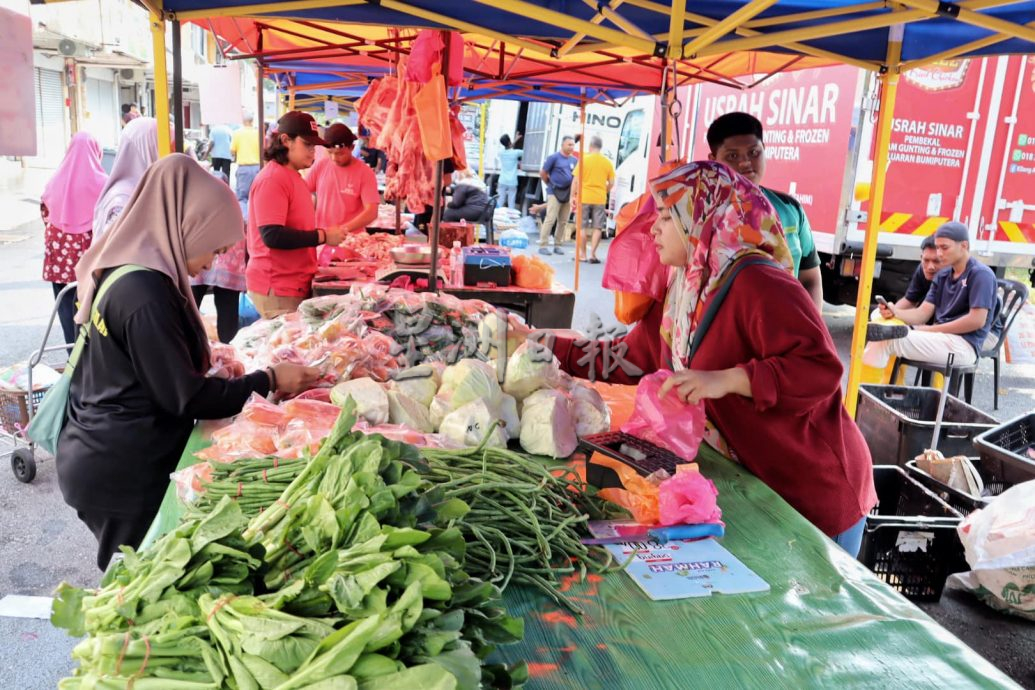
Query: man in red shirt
(282, 230)
(346, 190)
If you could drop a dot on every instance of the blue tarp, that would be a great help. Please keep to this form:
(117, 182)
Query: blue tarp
(922, 39)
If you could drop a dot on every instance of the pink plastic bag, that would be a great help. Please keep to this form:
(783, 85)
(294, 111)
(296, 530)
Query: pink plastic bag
(633, 264)
(669, 422)
(688, 498)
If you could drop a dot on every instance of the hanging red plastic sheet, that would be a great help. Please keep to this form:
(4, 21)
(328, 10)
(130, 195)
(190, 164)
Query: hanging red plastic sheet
(426, 53)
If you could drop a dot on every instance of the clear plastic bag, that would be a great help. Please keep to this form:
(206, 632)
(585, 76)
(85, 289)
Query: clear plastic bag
(667, 422)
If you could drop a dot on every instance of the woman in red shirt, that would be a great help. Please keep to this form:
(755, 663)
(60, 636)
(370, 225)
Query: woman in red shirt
(765, 367)
(282, 232)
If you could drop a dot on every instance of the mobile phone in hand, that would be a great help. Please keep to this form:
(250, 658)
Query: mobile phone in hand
(881, 301)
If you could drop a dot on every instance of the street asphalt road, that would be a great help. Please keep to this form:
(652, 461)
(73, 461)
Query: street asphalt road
(42, 542)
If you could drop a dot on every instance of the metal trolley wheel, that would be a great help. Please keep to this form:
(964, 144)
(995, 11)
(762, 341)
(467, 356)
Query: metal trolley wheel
(23, 464)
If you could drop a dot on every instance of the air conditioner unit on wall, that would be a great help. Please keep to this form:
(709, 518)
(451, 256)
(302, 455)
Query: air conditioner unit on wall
(128, 74)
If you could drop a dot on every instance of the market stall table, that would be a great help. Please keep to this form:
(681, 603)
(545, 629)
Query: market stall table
(826, 622)
(553, 308)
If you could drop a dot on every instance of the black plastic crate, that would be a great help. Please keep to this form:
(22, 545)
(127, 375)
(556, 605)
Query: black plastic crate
(910, 539)
(1009, 443)
(996, 475)
(898, 423)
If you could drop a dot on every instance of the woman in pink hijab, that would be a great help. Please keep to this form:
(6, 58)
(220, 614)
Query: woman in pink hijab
(138, 149)
(67, 207)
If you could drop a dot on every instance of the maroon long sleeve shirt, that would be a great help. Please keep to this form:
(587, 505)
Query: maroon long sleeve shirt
(793, 433)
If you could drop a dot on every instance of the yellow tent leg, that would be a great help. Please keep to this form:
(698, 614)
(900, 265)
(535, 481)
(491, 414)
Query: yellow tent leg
(161, 85)
(582, 176)
(481, 140)
(889, 87)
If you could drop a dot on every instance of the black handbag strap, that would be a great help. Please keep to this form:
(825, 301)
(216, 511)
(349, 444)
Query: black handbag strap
(720, 296)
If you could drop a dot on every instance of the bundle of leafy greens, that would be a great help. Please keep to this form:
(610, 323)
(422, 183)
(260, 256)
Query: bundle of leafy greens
(351, 579)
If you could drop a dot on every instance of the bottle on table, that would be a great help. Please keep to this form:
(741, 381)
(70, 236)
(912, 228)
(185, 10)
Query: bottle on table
(456, 270)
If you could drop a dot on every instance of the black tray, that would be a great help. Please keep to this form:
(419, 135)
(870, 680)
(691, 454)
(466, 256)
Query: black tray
(610, 444)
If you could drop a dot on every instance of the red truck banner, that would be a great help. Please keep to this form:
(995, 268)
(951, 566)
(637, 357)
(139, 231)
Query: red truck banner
(807, 119)
(929, 136)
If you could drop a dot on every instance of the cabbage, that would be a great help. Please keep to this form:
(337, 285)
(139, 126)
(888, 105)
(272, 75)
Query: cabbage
(532, 367)
(420, 383)
(508, 409)
(469, 380)
(547, 427)
(370, 397)
(469, 424)
(592, 416)
(406, 411)
(439, 408)
(488, 332)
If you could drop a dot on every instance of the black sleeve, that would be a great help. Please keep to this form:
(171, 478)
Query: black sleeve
(918, 287)
(156, 343)
(810, 261)
(459, 197)
(279, 237)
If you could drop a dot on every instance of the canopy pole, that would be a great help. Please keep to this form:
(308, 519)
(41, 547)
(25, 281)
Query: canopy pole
(161, 83)
(664, 112)
(481, 141)
(582, 177)
(889, 88)
(260, 114)
(177, 95)
(436, 212)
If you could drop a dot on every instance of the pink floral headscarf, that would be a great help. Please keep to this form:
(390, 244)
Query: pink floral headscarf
(725, 218)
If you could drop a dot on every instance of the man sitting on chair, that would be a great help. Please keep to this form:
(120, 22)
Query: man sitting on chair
(923, 276)
(962, 300)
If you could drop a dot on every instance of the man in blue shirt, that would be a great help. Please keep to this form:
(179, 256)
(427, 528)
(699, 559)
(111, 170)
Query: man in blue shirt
(219, 138)
(508, 165)
(557, 175)
(962, 300)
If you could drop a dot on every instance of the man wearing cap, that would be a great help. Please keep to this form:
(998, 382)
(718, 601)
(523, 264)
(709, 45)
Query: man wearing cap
(282, 229)
(346, 190)
(962, 301)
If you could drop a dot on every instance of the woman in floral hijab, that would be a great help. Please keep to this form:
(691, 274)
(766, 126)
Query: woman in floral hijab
(764, 368)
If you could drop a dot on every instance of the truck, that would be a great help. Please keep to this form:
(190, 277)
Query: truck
(543, 125)
(962, 148)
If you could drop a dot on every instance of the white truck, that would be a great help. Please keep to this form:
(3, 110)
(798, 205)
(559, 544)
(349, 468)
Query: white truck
(543, 125)
(962, 148)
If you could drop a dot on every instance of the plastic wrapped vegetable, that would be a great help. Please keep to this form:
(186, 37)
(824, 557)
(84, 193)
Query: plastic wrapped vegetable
(547, 427)
(371, 399)
(592, 416)
(405, 411)
(509, 415)
(469, 380)
(532, 367)
(469, 424)
(420, 383)
(438, 410)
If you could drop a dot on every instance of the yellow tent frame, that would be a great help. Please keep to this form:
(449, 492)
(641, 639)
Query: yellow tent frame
(704, 40)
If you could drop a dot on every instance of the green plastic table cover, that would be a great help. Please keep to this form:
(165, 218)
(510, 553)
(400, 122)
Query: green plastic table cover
(827, 621)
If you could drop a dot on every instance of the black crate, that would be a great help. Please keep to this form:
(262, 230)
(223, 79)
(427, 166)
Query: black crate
(1009, 443)
(996, 475)
(898, 423)
(907, 516)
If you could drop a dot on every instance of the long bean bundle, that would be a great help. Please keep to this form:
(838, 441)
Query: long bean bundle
(253, 483)
(524, 518)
